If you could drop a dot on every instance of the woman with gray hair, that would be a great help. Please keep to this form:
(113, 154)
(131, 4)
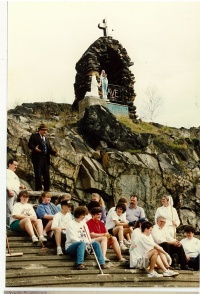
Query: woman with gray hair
(169, 213)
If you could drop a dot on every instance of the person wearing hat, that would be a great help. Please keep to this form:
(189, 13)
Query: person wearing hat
(41, 151)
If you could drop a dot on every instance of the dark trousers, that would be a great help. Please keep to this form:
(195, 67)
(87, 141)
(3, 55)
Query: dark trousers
(194, 262)
(42, 177)
(178, 251)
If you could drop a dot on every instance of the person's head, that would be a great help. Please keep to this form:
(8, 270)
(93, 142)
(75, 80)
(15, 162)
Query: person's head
(146, 228)
(189, 231)
(66, 206)
(120, 208)
(92, 204)
(12, 164)
(65, 196)
(123, 200)
(161, 221)
(96, 213)
(133, 200)
(97, 197)
(23, 197)
(80, 212)
(42, 129)
(45, 197)
(166, 200)
(140, 222)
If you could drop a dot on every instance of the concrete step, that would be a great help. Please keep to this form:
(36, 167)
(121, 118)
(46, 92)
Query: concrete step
(35, 270)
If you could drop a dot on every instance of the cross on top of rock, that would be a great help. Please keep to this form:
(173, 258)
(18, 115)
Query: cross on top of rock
(104, 27)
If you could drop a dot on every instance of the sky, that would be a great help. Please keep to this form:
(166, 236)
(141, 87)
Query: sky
(46, 39)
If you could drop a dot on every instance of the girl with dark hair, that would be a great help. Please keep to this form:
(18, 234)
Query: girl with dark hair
(144, 253)
(23, 216)
(191, 246)
(117, 225)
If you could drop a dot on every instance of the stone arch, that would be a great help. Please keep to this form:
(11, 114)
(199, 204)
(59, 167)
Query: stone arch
(108, 54)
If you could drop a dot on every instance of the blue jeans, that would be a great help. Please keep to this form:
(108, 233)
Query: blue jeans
(77, 250)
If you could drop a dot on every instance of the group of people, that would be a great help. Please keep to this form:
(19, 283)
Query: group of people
(124, 227)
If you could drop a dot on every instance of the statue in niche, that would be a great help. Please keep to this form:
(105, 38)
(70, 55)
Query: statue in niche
(94, 88)
(104, 84)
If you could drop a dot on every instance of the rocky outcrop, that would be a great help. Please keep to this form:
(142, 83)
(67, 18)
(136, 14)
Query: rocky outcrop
(100, 154)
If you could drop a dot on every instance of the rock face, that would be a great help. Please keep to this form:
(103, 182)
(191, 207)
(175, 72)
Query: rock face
(106, 54)
(100, 154)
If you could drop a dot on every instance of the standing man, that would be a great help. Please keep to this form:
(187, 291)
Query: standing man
(13, 187)
(41, 151)
(133, 211)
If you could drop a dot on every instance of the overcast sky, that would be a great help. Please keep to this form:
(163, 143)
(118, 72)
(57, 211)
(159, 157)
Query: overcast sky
(46, 39)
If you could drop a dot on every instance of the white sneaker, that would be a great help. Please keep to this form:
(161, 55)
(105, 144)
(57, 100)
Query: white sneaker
(126, 242)
(106, 259)
(123, 247)
(34, 239)
(154, 274)
(45, 234)
(169, 273)
(59, 251)
(42, 238)
(123, 260)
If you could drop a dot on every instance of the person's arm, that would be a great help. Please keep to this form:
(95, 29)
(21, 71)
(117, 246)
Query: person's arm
(103, 215)
(142, 213)
(176, 220)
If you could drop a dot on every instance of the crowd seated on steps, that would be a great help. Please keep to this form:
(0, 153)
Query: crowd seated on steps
(124, 229)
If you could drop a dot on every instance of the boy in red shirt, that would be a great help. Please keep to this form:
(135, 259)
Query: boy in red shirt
(99, 233)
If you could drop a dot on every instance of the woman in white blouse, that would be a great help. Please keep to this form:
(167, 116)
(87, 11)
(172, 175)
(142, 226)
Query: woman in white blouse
(169, 213)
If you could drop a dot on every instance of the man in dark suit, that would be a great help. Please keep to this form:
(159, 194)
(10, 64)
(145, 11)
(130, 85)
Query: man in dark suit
(41, 151)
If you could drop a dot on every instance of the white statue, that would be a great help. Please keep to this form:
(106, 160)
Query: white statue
(94, 88)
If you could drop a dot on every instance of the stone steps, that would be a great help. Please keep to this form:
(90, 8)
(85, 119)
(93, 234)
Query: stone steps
(35, 270)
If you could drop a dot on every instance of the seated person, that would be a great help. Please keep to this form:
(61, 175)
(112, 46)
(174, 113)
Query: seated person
(117, 225)
(59, 224)
(145, 253)
(121, 200)
(133, 211)
(191, 246)
(98, 198)
(77, 238)
(23, 216)
(45, 211)
(137, 228)
(65, 196)
(99, 233)
(173, 247)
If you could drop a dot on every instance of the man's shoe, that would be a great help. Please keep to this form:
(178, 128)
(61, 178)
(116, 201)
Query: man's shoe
(169, 273)
(81, 267)
(103, 266)
(187, 268)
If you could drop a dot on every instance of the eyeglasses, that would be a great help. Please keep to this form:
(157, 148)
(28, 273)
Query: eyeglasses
(25, 196)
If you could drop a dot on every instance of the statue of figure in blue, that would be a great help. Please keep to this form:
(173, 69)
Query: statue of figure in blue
(104, 84)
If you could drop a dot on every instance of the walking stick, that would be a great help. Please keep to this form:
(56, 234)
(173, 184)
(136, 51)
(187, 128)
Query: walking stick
(172, 216)
(9, 252)
(90, 242)
(44, 250)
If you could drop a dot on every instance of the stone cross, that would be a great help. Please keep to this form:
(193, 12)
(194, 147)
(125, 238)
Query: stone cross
(104, 27)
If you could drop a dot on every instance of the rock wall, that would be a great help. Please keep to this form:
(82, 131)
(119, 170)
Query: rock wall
(100, 154)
